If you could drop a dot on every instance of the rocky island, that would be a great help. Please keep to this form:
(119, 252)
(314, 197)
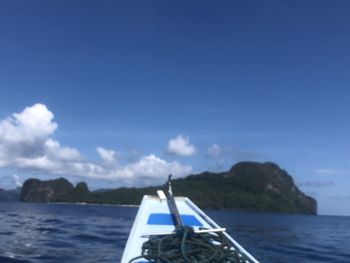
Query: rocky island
(247, 186)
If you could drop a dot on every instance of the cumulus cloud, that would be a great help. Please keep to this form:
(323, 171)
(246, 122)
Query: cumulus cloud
(17, 180)
(181, 146)
(54, 150)
(26, 143)
(23, 134)
(33, 123)
(108, 156)
(152, 166)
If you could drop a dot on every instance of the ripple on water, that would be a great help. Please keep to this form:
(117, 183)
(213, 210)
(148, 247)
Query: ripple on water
(13, 260)
(53, 221)
(46, 230)
(12, 214)
(41, 233)
(93, 238)
(7, 233)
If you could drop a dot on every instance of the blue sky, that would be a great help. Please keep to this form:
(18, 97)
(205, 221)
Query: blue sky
(111, 84)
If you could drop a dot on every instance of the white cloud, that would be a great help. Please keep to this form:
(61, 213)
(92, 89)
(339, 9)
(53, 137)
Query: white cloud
(26, 143)
(107, 156)
(24, 134)
(181, 146)
(42, 163)
(17, 180)
(54, 150)
(152, 166)
(31, 125)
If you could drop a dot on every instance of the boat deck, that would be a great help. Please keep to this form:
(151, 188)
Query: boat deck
(153, 217)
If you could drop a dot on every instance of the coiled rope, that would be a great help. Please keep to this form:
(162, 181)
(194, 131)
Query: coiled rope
(186, 246)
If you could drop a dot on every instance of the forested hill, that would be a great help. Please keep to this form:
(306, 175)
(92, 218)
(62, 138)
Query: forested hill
(247, 186)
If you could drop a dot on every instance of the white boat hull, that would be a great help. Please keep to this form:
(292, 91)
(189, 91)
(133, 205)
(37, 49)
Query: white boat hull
(154, 217)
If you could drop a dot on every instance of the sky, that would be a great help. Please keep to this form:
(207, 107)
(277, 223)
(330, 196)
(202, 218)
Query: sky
(122, 93)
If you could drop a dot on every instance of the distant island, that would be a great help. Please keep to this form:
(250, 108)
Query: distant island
(10, 195)
(247, 186)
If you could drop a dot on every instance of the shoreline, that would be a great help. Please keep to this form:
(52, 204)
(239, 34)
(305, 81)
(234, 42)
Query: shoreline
(67, 203)
(120, 205)
(136, 206)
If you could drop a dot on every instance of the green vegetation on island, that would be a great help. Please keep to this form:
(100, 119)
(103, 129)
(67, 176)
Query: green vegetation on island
(247, 186)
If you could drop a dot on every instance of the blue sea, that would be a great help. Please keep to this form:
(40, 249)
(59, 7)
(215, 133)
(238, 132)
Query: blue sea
(36, 232)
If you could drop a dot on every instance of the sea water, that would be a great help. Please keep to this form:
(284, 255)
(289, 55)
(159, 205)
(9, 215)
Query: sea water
(37, 232)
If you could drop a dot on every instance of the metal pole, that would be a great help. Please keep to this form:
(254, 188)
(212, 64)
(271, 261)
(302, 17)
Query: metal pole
(172, 205)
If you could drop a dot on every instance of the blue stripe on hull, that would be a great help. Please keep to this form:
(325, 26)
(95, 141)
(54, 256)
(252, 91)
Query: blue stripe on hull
(167, 219)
